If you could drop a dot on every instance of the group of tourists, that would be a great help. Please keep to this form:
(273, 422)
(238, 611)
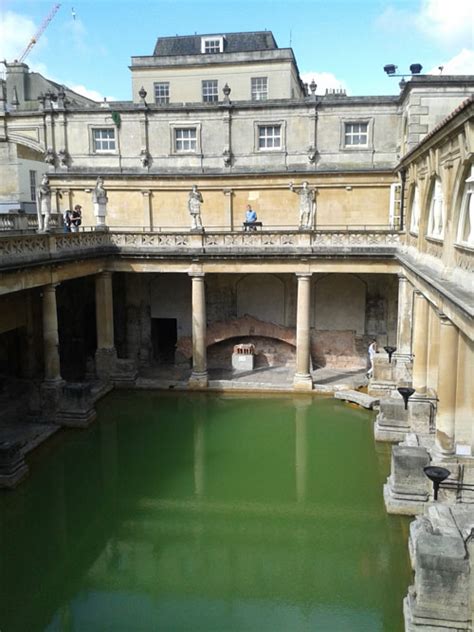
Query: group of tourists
(72, 219)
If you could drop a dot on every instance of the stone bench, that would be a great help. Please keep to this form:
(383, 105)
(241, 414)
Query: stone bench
(356, 397)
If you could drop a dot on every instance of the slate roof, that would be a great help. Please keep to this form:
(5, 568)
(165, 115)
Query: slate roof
(233, 43)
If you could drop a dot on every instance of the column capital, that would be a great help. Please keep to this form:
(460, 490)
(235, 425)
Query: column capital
(303, 275)
(228, 191)
(51, 287)
(401, 277)
(197, 275)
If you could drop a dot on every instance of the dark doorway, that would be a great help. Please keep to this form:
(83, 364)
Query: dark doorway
(164, 334)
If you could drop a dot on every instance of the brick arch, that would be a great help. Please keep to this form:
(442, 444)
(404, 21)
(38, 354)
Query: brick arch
(238, 328)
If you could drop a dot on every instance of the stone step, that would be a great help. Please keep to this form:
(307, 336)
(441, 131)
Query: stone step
(356, 397)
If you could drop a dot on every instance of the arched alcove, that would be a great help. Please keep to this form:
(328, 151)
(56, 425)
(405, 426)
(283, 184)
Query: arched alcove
(261, 296)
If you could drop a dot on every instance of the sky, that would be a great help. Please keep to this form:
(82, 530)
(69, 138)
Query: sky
(340, 43)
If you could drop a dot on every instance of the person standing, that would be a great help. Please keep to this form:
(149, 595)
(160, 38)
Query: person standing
(250, 218)
(67, 217)
(371, 351)
(76, 218)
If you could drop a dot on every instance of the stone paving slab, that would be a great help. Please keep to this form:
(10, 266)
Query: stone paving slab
(29, 434)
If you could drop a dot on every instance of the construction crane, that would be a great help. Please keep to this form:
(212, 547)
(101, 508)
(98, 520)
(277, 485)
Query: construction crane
(39, 32)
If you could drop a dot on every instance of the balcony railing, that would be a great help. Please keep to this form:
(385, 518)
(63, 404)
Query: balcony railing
(35, 248)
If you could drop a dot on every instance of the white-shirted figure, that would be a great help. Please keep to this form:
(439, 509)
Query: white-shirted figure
(372, 350)
(194, 206)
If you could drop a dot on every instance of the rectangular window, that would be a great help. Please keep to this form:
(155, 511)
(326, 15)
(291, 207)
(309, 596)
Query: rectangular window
(162, 92)
(103, 140)
(185, 139)
(269, 137)
(356, 134)
(211, 45)
(210, 92)
(33, 185)
(259, 88)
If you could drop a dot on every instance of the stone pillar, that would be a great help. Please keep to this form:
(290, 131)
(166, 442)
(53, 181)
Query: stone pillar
(147, 210)
(420, 343)
(198, 377)
(445, 417)
(402, 356)
(302, 380)
(229, 207)
(52, 367)
(433, 357)
(106, 355)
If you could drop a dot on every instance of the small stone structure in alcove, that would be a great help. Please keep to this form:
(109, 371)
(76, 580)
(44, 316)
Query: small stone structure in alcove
(243, 357)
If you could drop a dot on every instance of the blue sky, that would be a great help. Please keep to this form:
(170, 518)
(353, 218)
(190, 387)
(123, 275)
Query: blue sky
(339, 42)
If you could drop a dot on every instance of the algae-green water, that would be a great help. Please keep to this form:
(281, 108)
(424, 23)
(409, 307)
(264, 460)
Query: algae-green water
(204, 512)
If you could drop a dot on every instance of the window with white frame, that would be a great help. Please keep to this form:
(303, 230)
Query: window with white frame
(185, 139)
(415, 211)
(210, 92)
(466, 218)
(259, 88)
(33, 186)
(162, 92)
(356, 134)
(436, 211)
(269, 137)
(103, 140)
(212, 45)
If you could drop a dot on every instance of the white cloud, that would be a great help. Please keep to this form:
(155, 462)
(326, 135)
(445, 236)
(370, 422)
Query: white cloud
(460, 64)
(90, 94)
(324, 81)
(448, 22)
(445, 22)
(16, 32)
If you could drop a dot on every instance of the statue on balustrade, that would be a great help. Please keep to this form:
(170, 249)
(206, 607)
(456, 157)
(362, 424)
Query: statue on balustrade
(99, 200)
(43, 204)
(194, 206)
(307, 197)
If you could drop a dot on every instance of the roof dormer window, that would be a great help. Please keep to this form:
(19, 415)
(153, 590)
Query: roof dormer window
(211, 45)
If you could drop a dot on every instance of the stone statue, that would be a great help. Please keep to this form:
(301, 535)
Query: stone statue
(43, 204)
(194, 206)
(100, 199)
(307, 204)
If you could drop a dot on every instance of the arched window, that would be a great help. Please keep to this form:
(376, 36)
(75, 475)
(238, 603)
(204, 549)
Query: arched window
(415, 211)
(436, 214)
(466, 218)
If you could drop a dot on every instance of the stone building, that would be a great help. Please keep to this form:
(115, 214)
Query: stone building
(387, 253)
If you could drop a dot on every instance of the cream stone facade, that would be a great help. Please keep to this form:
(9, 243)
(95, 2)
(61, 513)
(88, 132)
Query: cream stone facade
(389, 256)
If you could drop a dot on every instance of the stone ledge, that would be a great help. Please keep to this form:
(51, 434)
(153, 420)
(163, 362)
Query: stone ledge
(356, 397)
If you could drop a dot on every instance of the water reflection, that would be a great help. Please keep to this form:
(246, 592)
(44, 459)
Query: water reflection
(205, 513)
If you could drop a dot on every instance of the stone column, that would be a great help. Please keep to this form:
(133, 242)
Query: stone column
(106, 355)
(445, 417)
(420, 343)
(302, 380)
(52, 367)
(198, 377)
(405, 315)
(147, 210)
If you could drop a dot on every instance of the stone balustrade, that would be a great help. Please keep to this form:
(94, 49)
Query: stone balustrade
(36, 248)
(24, 222)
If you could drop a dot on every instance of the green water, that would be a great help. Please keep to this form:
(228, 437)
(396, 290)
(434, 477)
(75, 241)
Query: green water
(205, 513)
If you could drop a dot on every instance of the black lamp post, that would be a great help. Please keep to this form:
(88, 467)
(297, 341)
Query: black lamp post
(390, 350)
(437, 475)
(406, 392)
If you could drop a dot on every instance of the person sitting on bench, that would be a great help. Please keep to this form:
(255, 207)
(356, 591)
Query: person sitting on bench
(250, 218)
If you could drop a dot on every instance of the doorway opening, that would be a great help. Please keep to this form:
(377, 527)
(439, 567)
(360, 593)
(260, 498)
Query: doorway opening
(164, 335)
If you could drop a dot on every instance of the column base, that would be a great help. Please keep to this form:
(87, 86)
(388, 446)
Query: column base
(13, 468)
(105, 362)
(76, 409)
(50, 397)
(198, 379)
(302, 382)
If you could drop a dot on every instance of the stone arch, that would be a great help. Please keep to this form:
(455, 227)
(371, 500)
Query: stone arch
(261, 296)
(339, 302)
(27, 142)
